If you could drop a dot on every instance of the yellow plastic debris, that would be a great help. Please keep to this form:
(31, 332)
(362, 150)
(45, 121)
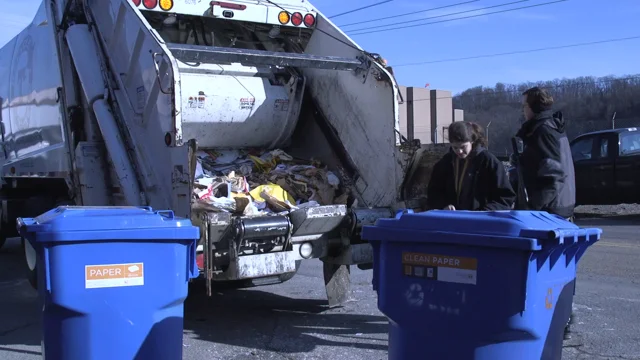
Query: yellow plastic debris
(273, 190)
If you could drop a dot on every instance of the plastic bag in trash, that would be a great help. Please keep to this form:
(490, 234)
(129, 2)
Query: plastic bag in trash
(215, 204)
(273, 195)
(333, 179)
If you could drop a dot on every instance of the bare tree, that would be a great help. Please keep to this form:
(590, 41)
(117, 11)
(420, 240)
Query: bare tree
(588, 104)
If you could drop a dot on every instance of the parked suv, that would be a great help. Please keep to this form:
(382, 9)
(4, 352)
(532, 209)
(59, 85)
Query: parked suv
(607, 165)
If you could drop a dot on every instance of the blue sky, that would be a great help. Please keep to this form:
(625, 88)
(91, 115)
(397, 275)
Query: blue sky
(565, 23)
(570, 22)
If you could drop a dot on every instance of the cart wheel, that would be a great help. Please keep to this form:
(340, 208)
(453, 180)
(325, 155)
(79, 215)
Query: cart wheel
(31, 260)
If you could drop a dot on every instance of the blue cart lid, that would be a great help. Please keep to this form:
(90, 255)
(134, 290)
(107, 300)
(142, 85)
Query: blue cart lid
(86, 223)
(530, 230)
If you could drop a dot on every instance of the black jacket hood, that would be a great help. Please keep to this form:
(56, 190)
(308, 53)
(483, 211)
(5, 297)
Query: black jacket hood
(548, 117)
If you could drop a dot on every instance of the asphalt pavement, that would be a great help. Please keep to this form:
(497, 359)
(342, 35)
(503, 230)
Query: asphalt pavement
(291, 320)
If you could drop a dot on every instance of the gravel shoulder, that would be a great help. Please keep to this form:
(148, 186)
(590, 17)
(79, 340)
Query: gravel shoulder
(620, 210)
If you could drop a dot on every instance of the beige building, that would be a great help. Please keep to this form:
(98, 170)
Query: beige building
(426, 114)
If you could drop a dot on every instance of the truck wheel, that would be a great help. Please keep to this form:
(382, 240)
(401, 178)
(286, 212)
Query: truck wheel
(31, 259)
(3, 234)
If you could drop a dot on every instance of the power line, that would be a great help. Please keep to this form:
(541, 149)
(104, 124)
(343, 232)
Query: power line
(520, 51)
(409, 13)
(360, 8)
(460, 18)
(361, 32)
(634, 77)
(440, 16)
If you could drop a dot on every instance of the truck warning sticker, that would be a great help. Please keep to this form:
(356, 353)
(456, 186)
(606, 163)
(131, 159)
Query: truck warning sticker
(114, 275)
(197, 102)
(446, 268)
(247, 103)
(281, 105)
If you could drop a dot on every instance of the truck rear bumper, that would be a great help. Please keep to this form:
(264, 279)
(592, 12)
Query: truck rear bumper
(284, 262)
(323, 233)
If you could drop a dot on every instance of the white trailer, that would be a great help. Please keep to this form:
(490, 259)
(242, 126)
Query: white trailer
(105, 102)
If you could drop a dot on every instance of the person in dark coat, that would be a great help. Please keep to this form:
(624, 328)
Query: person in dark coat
(546, 162)
(469, 177)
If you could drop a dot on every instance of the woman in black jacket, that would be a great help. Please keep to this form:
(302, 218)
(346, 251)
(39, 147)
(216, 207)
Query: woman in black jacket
(469, 177)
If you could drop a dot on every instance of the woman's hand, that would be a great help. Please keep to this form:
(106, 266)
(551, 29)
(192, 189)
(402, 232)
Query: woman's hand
(449, 207)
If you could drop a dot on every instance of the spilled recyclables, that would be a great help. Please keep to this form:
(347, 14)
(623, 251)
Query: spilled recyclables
(257, 184)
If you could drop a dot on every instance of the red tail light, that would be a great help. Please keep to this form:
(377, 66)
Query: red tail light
(296, 19)
(150, 4)
(137, 2)
(309, 20)
(227, 5)
(200, 261)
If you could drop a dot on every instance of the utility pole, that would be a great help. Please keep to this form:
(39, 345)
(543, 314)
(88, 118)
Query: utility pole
(613, 121)
(489, 124)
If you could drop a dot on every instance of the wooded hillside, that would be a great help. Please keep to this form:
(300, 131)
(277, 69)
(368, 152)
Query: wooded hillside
(588, 104)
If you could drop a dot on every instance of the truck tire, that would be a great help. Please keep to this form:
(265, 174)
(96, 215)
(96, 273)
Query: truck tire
(3, 235)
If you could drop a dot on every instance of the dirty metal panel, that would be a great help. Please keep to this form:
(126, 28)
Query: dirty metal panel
(337, 282)
(214, 54)
(363, 111)
(241, 111)
(219, 224)
(364, 217)
(256, 266)
(91, 173)
(317, 220)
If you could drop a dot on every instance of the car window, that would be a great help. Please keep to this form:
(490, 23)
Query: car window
(630, 143)
(581, 149)
(604, 148)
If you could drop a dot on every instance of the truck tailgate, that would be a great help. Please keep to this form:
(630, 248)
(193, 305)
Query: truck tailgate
(235, 106)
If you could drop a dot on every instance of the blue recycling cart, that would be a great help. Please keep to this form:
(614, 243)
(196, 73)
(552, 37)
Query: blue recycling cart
(476, 285)
(113, 281)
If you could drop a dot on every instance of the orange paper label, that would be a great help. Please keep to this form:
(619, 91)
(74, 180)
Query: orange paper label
(114, 275)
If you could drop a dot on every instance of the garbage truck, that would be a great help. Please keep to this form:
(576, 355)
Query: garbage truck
(187, 105)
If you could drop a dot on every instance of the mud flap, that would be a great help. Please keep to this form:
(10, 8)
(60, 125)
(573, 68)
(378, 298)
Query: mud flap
(337, 282)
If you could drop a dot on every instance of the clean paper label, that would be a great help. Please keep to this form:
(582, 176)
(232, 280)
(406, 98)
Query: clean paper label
(446, 268)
